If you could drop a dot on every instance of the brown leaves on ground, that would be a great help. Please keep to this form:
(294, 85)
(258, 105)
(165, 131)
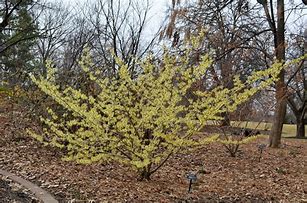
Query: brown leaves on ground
(280, 175)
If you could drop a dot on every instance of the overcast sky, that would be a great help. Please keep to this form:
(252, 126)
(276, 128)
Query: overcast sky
(156, 14)
(159, 7)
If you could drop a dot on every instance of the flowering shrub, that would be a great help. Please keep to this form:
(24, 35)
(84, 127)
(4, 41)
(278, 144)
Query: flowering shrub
(141, 121)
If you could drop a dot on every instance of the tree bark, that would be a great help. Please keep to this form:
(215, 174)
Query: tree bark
(300, 123)
(299, 113)
(280, 108)
(226, 81)
(279, 115)
(300, 128)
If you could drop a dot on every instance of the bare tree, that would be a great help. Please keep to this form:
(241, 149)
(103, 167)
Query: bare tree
(233, 35)
(106, 28)
(56, 25)
(277, 25)
(297, 84)
(119, 28)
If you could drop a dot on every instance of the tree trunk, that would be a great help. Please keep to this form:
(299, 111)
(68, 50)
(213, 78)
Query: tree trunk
(280, 109)
(300, 130)
(227, 82)
(276, 131)
(226, 119)
(300, 126)
(145, 174)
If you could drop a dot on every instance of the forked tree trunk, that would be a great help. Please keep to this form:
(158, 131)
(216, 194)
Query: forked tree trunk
(145, 174)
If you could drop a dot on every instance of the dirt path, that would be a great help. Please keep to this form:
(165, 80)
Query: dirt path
(22, 194)
(12, 192)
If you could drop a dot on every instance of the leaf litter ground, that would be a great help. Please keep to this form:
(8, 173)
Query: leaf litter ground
(280, 176)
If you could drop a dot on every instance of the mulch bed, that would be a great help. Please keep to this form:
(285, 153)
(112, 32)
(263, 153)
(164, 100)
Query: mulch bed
(281, 174)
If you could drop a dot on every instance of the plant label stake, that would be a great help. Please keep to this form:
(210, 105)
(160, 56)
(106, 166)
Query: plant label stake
(192, 179)
(261, 147)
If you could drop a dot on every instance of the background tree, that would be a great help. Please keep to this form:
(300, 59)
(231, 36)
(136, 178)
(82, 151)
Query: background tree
(18, 31)
(56, 23)
(297, 84)
(233, 35)
(277, 25)
(101, 26)
(278, 30)
(120, 26)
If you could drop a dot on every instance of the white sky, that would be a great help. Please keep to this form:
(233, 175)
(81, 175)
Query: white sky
(156, 15)
(159, 7)
(155, 18)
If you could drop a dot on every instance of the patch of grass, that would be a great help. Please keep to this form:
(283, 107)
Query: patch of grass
(289, 130)
(252, 125)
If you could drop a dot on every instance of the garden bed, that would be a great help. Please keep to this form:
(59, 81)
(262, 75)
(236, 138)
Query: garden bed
(281, 174)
